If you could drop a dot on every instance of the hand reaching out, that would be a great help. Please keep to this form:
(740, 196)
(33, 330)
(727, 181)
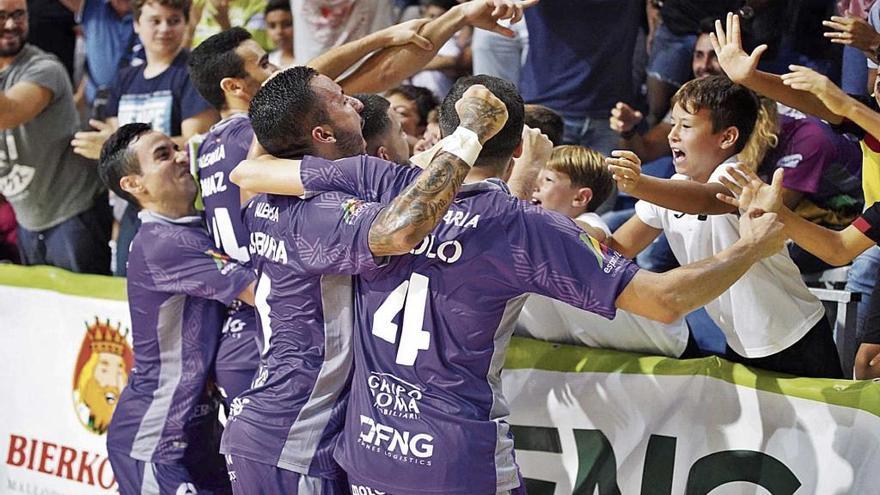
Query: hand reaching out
(750, 194)
(806, 79)
(852, 31)
(737, 64)
(624, 118)
(626, 168)
(485, 14)
(89, 143)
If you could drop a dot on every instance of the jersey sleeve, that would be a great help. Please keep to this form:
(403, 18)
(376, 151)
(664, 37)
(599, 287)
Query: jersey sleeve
(185, 262)
(329, 234)
(367, 177)
(554, 258)
(869, 223)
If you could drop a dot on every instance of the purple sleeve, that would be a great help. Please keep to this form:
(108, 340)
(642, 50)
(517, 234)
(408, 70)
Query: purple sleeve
(187, 263)
(807, 157)
(554, 258)
(366, 177)
(329, 234)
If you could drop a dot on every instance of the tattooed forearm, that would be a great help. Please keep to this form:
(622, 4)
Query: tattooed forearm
(418, 209)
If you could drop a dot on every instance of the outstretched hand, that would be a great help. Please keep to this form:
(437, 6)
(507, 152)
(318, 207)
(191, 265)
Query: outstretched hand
(485, 14)
(750, 194)
(626, 169)
(89, 143)
(806, 79)
(737, 64)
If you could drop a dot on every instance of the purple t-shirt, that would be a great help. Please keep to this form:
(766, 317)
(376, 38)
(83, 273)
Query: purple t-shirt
(823, 165)
(304, 253)
(426, 413)
(178, 290)
(220, 151)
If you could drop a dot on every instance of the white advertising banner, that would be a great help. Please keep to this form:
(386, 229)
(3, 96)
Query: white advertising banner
(585, 421)
(65, 353)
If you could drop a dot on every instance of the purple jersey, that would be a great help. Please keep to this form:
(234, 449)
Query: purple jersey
(426, 413)
(219, 152)
(178, 290)
(304, 253)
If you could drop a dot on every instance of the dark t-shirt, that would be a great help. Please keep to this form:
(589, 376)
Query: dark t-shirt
(684, 16)
(869, 224)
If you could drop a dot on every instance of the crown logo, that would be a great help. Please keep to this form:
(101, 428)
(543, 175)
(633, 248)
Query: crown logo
(105, 338)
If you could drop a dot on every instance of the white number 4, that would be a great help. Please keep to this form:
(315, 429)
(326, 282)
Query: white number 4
(410, 296)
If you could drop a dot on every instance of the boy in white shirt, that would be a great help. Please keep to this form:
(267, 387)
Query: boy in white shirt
(574, 182)
(769, 317)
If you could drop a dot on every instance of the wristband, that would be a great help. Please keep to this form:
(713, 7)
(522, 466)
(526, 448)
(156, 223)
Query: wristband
(464, 144)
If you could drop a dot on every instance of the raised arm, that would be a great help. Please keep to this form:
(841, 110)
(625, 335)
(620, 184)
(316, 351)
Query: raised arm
(418, 209)
(741, 68)
(387, 68)
(22, 102)
(685, 196)
(833, 247)
(669, 296)
(337, 60)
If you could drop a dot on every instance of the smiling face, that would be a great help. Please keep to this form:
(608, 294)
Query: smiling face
(160, 29)
(705, 62)
(164, 177)
(14, 31)
(696, 149)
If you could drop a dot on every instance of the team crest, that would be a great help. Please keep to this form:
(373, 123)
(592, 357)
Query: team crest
(351, 208)
(599, 250)
(101, 372)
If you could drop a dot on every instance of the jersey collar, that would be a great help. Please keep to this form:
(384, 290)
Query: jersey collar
(147, 216)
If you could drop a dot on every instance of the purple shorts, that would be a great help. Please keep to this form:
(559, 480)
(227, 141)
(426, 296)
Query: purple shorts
(151, 478)
(251, 478)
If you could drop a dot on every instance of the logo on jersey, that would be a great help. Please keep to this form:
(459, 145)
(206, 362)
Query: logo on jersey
(599, 250)
(396, 444)
(394, 397)
(186, 489)
(224, 263)
(364, 490)
(237, 406)
(101, 372)
(351, 209)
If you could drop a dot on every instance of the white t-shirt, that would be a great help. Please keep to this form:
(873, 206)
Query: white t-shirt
(548, 319)
(275, 59)
(319, 25)
(769, 308)
(594, 220)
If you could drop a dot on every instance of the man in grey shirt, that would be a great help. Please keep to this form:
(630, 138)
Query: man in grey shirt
(63, 216)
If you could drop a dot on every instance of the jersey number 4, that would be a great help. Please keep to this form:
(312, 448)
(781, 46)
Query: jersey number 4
(410, 296)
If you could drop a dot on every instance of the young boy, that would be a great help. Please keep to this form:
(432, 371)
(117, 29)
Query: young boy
(770, 318)
(574, 182)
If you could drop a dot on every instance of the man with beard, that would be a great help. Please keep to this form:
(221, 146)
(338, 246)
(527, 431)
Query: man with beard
(67, 226)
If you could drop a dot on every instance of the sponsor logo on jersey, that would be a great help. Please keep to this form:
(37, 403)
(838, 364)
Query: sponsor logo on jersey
(599, 250)
(267, 211)
(224, 263)
(399, 445)
(364, 490)
(351, 209)
(790, 161)
(394, 397)
(233, 326)
(101, 372)
(461, 219)
(213, 156)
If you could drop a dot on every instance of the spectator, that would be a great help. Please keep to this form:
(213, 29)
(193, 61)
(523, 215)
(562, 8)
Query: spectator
(52, 27)
(432, 133)
(412, 104)
(209, 17)
(671, 43)
(279, 25)
(159, 93)
(110, 41)
(575, 72)
(853, 71)
(548, 121)
(441, 72)
(323, 24)
(500, 56)
(382, 131)
(59, 202)
(785, 329)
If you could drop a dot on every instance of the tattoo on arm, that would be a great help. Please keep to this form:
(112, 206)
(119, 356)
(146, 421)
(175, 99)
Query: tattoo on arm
(481, 116)
(418, 209)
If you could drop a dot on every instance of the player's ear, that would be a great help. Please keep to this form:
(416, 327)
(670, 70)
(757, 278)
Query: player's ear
(517, 152)
(729, 137)
(323, 134)
(582, 197)
(132, 184)
(382, 153)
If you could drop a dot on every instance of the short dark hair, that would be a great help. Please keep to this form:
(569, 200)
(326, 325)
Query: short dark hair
(707, 26)
(502, 145)
(376, 119)
(274, 5)
(137, 7)
(117, 160)
(214, 59)
(423, 97)
(548, 121)
(284, 111)
(729, 104)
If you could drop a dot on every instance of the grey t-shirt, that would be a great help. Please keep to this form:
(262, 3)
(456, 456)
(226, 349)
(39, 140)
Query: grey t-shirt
(46, 182)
